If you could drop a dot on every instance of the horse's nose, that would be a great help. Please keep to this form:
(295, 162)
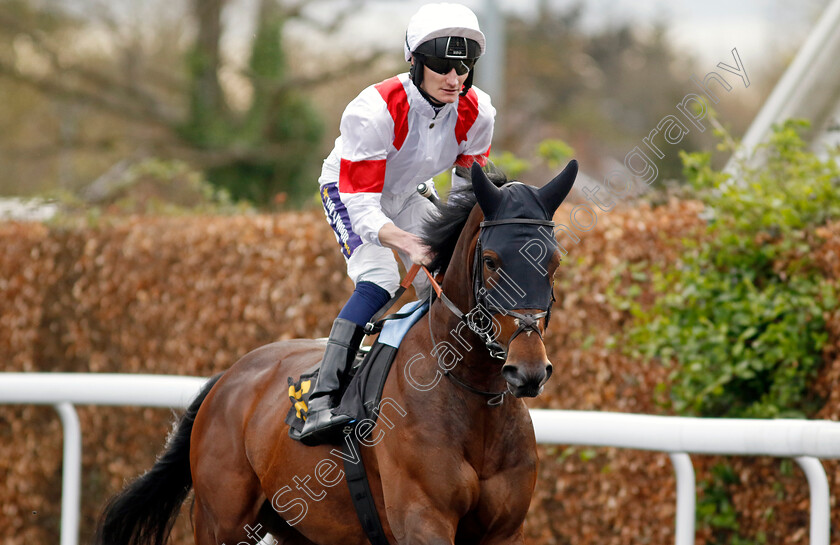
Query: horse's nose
(526, 382)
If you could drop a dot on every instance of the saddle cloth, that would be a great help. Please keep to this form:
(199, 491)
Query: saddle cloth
(364, 391)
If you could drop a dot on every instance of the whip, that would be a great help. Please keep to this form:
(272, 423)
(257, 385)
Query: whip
(427, 189)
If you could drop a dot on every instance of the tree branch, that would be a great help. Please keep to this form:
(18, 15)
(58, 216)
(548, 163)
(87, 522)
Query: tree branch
(57, 88)
(339, 19)
(219, 157)
(277, 88)
(127, 95)
(51, 149)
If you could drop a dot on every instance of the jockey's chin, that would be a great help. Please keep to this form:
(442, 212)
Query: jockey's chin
(444, 88)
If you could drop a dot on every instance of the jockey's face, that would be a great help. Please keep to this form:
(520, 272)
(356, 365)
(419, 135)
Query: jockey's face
(443, 87)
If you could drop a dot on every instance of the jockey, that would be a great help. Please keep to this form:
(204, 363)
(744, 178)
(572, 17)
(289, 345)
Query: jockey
(395, 135)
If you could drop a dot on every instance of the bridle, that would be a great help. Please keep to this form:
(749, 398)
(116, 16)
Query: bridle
(524, 321)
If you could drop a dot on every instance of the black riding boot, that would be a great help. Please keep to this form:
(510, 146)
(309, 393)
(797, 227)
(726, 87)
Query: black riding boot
(344, 341)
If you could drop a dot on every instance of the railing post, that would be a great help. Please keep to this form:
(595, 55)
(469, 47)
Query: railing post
(686, 498)
(71, 474)
(820, 499)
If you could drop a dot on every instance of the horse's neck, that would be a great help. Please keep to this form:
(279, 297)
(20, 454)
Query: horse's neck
(457, 283)
(475, 366)
(444, 408)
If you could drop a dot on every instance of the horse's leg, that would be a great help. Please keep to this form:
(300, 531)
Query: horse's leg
(227, 491)
(228, 496)
(283, 534)
(202, 532)
(267, 521)
(416, 518)
(422, 524)
(516, 539)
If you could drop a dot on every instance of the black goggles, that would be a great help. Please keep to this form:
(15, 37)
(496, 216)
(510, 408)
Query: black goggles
(445, 66)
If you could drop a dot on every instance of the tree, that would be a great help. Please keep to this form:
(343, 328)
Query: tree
(150, 94)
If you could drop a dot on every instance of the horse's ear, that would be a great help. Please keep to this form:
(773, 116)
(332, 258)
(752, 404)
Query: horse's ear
(487, 194)
(554, 192)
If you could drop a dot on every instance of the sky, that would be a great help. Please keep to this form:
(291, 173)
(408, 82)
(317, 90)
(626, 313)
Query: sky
(707, 29)
(763, 31)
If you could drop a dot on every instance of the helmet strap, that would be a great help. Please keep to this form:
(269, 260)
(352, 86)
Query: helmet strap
(436, 104)
(416, 75)
(468, 83)
(416, 71)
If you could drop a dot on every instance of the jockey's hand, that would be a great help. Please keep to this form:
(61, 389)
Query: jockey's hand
(395, 238)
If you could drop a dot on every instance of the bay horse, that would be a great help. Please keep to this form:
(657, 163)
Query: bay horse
(448, 461)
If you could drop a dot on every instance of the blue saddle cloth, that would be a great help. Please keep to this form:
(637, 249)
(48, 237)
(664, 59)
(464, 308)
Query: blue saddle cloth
(393, 331)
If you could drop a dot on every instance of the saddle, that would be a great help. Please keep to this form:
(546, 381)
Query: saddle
(362, 394)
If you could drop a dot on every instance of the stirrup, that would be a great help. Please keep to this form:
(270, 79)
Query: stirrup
(322, 425)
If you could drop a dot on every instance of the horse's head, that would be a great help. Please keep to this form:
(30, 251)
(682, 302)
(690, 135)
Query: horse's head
(515, 259)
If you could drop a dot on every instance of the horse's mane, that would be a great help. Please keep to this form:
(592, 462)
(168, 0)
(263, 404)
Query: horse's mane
(444, 226)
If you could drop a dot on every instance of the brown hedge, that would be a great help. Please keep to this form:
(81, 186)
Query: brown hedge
(189, 295)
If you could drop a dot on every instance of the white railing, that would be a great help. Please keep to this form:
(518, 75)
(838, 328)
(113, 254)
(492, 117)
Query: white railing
(803, 440)
(63, 390)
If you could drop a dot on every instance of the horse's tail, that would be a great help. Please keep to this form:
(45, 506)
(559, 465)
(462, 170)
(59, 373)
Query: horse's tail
(145, 511)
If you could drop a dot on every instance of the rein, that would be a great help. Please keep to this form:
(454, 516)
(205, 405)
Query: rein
(524, 321)
(375, 325)
(496, 398)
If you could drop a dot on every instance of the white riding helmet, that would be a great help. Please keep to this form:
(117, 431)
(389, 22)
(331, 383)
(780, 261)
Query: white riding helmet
(444, 31)
(440, 20)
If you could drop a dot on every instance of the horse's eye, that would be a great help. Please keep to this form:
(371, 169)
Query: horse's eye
(490, 263)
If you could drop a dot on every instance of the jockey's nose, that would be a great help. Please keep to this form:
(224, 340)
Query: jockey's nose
(526, 381)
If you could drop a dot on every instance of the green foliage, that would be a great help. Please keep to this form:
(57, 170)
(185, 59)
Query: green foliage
(552, 152)
(795, 188)
(174, 187)
(715, 509)
(741, 318)
(555, 152)
(443, 183)
(510, 164)
(152, 186)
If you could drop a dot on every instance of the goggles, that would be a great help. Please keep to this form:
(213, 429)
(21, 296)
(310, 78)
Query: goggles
(444, 66)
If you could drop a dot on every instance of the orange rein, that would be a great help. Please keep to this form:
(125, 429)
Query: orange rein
(412, 272)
